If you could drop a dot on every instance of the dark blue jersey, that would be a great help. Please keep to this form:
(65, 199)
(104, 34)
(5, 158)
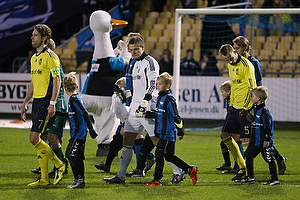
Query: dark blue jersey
(128, 75)
(104, 73)
(262, 126)
(257, 70)
(166, 114)
(78, 122)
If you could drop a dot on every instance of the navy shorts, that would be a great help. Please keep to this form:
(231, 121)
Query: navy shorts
(40, 120)
(235, 124)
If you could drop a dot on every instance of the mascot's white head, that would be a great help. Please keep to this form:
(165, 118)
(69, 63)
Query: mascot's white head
(101, 24)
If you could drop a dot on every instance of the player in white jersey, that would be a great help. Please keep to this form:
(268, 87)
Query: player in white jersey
(144, 74)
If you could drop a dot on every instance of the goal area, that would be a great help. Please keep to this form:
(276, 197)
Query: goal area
(274, 36)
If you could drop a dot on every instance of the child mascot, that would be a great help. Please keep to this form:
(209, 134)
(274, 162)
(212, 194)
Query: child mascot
(99, 85)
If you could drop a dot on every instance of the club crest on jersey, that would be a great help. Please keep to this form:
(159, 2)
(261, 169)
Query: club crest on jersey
(237, 71)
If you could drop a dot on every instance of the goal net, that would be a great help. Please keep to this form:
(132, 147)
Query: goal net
(274, 36)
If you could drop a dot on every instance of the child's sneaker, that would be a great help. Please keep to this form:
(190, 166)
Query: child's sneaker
(272, 182)
(193, 174)
(154, 183)
(223, 168)
(246, 179)
(177, 178)
(77, 183)
(239, 175)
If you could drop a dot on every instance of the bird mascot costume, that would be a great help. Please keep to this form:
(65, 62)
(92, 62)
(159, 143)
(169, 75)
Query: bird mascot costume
(99, 85)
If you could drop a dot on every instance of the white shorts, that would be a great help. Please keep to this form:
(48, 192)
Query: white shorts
(134, 124)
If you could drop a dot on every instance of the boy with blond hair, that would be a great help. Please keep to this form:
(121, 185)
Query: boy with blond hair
(261, 136)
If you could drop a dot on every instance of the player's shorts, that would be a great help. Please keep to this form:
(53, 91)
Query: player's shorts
(245, 128)
(59, 121)
(232, 121)
(139, 125)
(75, 148)
(235, 124)
(40, 120)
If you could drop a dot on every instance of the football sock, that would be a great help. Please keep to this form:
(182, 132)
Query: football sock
(277, 156)
(225, 153)
(137, 145)
(234, 149)
(176, 170)
(239, 143)
(43, 163)
(124, 161)
(47, 151)
(57, 150)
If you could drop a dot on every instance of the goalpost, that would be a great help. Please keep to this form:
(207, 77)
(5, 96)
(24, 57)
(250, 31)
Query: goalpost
(285, 75)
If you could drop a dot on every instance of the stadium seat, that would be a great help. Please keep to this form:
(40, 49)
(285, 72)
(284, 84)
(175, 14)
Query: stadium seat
(188, 45)
(166, 14)
(286, 38)
(149, 45)
(155, 32)
(144, 33)
(148, 26)
(157, 54)
(58, 51)
(151, 39)
(161, 46)
(272, 39)
(150, 20)
(284, 45)
(169, 33)
(138, 21)
(159, 26)
(270, 73)
(164, 39)
(275, 65)
(270, 46)
(190, 39)
(163, 20)
(153, 14)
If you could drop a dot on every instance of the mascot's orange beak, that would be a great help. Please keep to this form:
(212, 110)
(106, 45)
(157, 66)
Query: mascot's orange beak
(118, 23)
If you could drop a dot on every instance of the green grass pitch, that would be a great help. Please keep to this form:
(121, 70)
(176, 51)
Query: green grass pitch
(18, 158)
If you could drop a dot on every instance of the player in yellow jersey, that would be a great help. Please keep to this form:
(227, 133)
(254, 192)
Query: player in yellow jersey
(242, 78)
(44, 88)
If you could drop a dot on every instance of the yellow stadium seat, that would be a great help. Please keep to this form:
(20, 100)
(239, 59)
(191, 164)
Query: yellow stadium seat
(286, 38)
(153, 14)
(144, 33)
(159, 26)
(164, 39)
(163, 20)
(272, 39)
(155, 32)
(169, 33)
(149, 45)
(151, 39)
(166, 14)
(161, 45)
